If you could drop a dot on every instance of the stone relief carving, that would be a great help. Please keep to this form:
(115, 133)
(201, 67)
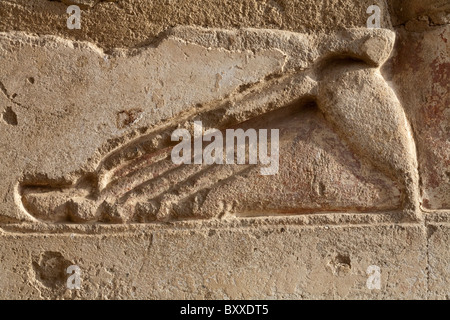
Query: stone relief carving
(338, 74)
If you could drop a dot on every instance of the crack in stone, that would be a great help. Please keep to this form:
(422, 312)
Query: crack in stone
(10, 98)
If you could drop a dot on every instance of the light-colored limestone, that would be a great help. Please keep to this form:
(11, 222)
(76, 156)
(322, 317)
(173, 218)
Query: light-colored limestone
(125, 23)
(150, 93)
(85, 123)
(222, 262)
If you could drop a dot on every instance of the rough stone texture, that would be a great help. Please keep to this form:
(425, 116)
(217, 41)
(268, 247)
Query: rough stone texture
(422, 74)
(220, 262)
(151, 87)
(438, 257)
(87, 179)
(127, 23)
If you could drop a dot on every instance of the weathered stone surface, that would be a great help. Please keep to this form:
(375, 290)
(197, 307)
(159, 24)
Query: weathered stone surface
(418, 15)
(127, 23)
(439, 258)
(150, 91)
(362, 176)
(221, 262)
(421, 73)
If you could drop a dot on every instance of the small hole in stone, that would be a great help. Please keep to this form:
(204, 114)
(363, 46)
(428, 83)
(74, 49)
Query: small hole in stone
(14, 95)
(31, 80)
(50, 269)
(211, 233)
(343, 259)
(10, 117)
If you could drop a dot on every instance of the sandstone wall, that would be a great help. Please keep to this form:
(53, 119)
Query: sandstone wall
(358, 205)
